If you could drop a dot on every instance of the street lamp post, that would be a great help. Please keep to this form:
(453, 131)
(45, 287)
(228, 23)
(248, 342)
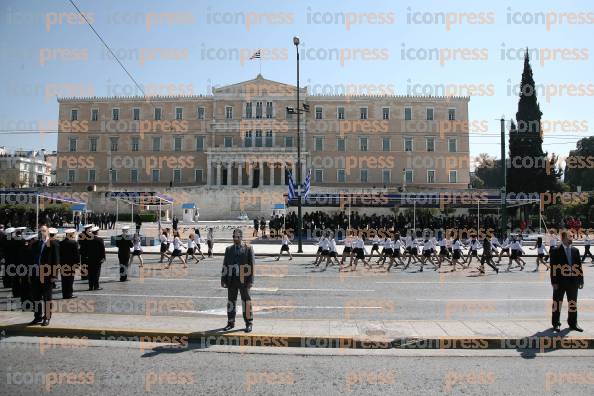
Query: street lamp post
(299, 218)
(504, 181)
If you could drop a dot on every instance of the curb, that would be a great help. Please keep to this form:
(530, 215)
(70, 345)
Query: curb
(239, 339)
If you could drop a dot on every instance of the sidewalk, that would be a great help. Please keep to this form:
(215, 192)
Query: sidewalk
(205, 330)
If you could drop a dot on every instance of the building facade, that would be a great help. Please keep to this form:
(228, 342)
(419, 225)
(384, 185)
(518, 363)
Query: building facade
(24, 169)
(244, 135)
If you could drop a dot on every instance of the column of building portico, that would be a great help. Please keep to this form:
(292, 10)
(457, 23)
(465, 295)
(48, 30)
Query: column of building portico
(219, 171)
(250, 172)
(283, 172)
(261, 173)
(240, 173)
(271, 166)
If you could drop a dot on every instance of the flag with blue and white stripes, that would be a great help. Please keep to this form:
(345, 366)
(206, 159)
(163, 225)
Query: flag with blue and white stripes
(292, 194)
(307, 184)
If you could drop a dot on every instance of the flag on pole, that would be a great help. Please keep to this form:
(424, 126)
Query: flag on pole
(291, 187)
(257, 55)
(307, 184)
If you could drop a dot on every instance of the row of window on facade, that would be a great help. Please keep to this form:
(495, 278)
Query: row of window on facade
(319, 113)
(318, 175)
(266, 139)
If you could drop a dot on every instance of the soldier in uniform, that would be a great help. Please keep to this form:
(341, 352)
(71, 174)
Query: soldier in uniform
(124, 244)
(47, 258)
(83, 239)
(19, 274)
(69, 260)
(95, 256)
(238, 275)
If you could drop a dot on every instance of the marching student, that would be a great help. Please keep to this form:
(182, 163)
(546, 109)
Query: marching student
(332, 254)
(375, 242)
(321, 247)
(553, 241)
(136, 250)
(209, 241)
(444, 254)
(396, 255)
(428, 253)
(348, 247)
(387, 251)
(358, 253)
(457, 254)
(587, 253)
(198, 239)
(473, 248)
(505, 248)
(516, 254)
(541, 253)
(285, 246)
(177, 245)
(191, 249)
(411, 250)
(164, 238)
(487, 256)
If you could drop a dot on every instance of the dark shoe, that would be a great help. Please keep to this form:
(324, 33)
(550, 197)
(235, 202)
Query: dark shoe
(557, 328)
(35, 321)
(576, 328)
(98, 288)
(45, 322)
(248, 328)
(229, 326)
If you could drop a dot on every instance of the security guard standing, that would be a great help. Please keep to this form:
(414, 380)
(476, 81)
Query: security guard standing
(69, 260)
(124, 244)
(95, 256)
(238, 275)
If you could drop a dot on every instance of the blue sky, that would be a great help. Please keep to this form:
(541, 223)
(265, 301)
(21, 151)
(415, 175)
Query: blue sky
(189, 46)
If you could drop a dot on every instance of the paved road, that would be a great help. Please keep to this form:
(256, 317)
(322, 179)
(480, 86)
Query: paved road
(113, 368)
(294, 289)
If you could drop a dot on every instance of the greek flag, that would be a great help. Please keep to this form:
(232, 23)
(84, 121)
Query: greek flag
(307, 184)
(292, 194)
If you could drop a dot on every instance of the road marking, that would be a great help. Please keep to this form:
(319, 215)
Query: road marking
(458, 282)
(263, 309)
(492, 299)
(145, 295)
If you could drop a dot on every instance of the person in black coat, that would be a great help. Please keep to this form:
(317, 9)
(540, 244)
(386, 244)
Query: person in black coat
(124, 244)
(11, 260)
(83, 243)
(47, 258)
(566, 278)
(238, 275)
(69, 260)
(95, 257)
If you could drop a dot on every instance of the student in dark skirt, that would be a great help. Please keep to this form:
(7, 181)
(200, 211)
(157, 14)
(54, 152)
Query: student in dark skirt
(164, 238)
(136, 250)
(177, 252)
(541, 253)
(285, 246)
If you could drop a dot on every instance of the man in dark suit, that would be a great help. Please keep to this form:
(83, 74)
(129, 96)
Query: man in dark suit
(566, 277)
(95, 257)
(69, 260)
(47, 258)
(238, 275)
(124, 244)
(83, 243)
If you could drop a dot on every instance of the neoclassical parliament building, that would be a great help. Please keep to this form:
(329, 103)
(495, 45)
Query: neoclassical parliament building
(245, 134)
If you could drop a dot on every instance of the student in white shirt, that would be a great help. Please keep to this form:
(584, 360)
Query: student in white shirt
(358, 253)
(375, 242)
(164, 238)
(396, 255)
(516, 254)
(386, 251)
(177, 245)
(321, 247)
(541, 253)
(332, 253)
(411, 250)
(348, 247)
(457, 254)
(191, 249)
(285, 242)
(136, 250)
(428, 253)
(473, 248)
(504, 249)
(444, 254)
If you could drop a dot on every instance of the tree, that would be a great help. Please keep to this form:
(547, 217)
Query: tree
(529, 167)
(579, 166)
(488, 170)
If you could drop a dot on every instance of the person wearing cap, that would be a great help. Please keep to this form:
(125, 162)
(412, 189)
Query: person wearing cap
(69, 260)
(238, 275)
(29, 288)
(19, 276)
(95, 256)
(47, 258)
(124, 244)
(83, 243)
